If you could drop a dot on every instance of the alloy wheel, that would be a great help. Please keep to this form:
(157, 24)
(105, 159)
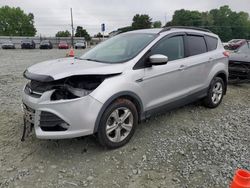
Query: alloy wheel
(217, 93)
(119, 124)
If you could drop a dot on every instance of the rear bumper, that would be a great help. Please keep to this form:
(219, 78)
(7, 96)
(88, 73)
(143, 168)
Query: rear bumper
(27, 46)
(8, 47)
(80, 46)
(63, 47)
(45, 47)
(79, 114)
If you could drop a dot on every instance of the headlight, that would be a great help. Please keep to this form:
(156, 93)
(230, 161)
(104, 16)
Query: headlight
(76, 87)
(78, 91)
(69, 92)
(68, 88)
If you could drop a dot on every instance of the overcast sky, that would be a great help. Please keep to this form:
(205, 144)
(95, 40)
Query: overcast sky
(54, 15)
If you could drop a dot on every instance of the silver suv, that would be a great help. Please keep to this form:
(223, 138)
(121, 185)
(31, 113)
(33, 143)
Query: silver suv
(122, 81)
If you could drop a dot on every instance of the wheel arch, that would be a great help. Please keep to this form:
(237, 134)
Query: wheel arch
(223, 76)
(124, 94)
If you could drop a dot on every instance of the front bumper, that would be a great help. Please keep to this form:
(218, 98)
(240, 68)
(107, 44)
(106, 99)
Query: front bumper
(239, 71)
(79, 114)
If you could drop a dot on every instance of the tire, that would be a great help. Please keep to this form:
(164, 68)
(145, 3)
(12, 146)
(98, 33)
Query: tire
(112, 120)
(215, 93)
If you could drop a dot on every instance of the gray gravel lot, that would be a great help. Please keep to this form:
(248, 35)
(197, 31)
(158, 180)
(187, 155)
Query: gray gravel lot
(188, 147)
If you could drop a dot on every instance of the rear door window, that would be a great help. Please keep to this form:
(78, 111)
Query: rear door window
(212, 43)
(196, 45)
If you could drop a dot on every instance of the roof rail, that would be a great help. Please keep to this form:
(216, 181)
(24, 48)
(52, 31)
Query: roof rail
(184, 27)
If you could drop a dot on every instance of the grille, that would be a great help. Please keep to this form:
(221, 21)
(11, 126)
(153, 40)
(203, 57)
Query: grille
(36, 89)
(51, 122)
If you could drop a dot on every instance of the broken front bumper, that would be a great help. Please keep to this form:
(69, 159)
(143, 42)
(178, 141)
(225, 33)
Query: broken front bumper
(63, 118)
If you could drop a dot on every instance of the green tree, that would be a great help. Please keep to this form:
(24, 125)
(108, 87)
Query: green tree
(157, 24)
(223, 21)
(125, 29)
(63, 34)
(98, 35)
(80, 32)
(141, 22)
(186, 18)
(14, 22)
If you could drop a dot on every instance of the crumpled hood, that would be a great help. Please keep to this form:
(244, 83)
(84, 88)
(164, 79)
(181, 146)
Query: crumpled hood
(66, 67)
(239, 57)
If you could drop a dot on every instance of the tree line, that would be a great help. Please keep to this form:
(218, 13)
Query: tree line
(80, 32)
(223, 21)
(15, 22)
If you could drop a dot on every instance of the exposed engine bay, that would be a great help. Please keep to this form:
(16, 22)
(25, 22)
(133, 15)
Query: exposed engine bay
(67, 88)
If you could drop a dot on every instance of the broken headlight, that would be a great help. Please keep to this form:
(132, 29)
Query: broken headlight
(76, 87)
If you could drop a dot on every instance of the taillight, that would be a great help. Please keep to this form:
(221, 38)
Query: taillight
(226, 54)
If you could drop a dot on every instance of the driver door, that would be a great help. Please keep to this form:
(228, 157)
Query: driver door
(163, 84)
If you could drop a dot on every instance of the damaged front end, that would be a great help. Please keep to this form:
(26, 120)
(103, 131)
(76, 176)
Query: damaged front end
(67, 88)
(49, 120)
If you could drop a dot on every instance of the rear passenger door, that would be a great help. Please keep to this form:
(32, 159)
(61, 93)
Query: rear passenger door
(198, 62)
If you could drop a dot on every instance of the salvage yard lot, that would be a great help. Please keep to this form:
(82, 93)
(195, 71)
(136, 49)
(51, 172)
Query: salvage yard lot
(188, 147)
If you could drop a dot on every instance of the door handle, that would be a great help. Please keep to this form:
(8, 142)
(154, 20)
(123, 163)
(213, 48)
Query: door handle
(182, 68)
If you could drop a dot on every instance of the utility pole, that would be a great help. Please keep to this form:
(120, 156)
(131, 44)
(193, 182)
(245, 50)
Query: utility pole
(165, 19)
(72, 26)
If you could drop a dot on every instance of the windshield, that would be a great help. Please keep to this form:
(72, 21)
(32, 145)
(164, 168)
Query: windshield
(120, 48)
(45, 42)
(27, 40)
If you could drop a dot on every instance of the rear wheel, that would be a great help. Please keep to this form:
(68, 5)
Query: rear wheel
(215, 93)
(118, 124)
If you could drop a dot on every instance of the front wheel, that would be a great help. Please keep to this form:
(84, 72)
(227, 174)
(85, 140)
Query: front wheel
(215, 93)
(118, 124)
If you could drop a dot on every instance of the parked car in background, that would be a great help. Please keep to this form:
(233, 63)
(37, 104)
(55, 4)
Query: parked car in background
(63, 45)
(46, 44)
(239, 64)
(28, 44)
(234, 44)
(8, 45)
(80, 44)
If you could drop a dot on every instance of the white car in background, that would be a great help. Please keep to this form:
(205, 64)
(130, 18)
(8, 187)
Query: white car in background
(80, 44)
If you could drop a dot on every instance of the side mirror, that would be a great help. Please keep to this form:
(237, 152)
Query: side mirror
(158, 59)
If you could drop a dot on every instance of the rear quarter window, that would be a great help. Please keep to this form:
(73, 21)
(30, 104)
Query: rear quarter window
(212, 43)
(196, 45)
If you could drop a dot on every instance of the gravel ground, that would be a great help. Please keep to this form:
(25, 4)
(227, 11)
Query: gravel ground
(188, 147)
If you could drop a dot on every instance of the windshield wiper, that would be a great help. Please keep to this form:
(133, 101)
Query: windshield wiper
(95, 60)
(92, 60)
(79, 58)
